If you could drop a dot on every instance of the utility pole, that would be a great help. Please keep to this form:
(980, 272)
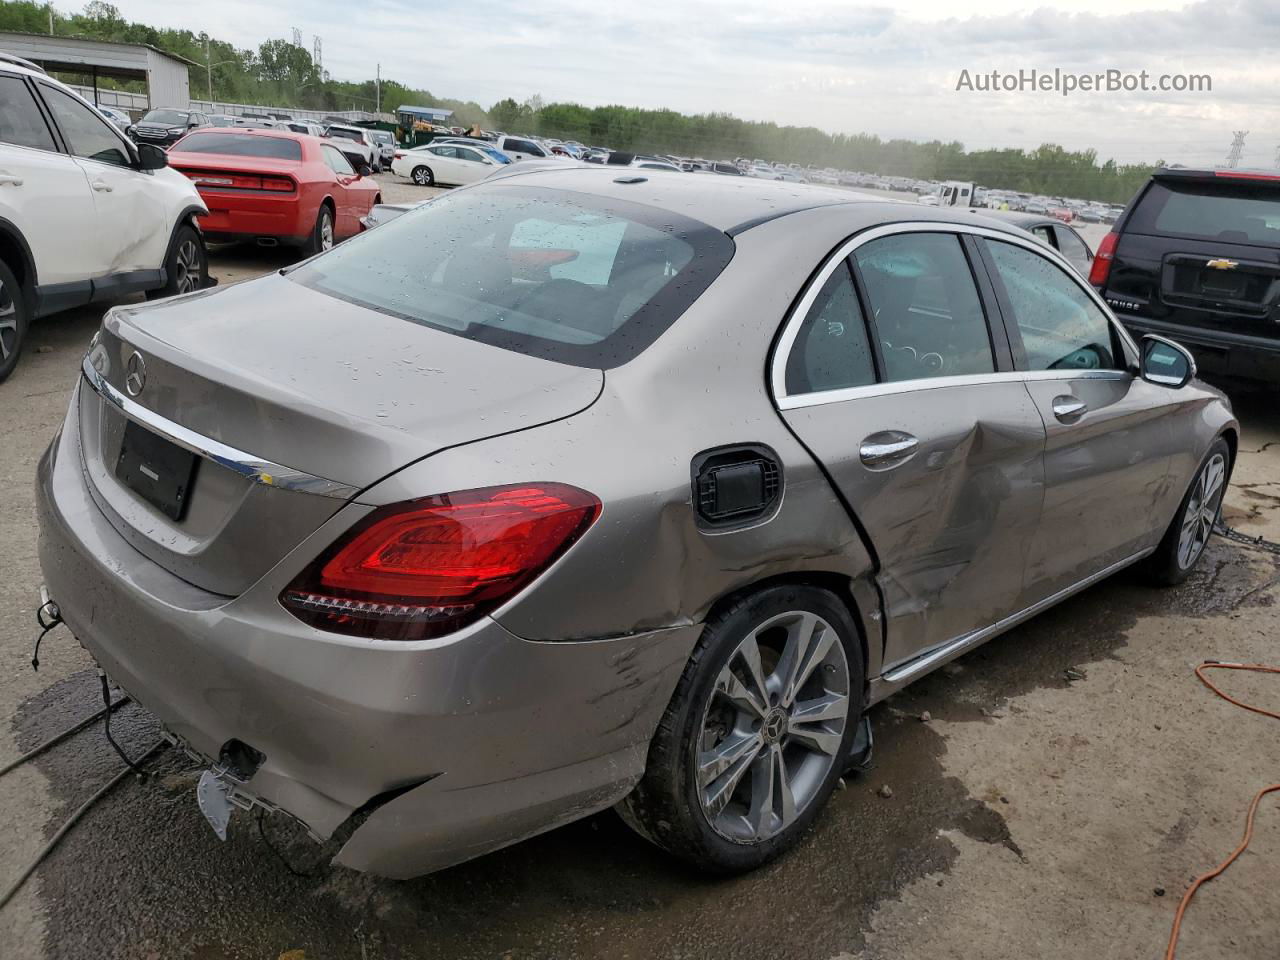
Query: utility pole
(1237, 147)
(208, 67)
(49, 7)
(377, 91)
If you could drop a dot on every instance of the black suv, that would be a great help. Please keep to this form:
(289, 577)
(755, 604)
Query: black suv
(1196, 257)
(165, 127)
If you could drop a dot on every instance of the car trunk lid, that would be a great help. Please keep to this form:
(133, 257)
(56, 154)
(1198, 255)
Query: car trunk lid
(294, 402)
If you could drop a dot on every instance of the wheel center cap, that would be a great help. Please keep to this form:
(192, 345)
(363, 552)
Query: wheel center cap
(775, 725)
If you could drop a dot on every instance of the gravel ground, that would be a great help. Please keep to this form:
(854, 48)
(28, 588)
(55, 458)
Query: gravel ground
(1035, 814)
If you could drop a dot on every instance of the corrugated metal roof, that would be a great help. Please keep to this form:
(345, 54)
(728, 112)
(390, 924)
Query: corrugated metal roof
(426, 111)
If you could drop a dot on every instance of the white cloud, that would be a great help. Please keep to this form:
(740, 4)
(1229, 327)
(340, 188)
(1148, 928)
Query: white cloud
(885, 70)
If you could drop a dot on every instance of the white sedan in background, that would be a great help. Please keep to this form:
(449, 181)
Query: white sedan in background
(447, 163)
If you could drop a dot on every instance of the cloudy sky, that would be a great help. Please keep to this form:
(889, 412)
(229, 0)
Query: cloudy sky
(836, 64)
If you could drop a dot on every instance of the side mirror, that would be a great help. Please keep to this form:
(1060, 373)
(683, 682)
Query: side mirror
(1166, 363)
(151, 157)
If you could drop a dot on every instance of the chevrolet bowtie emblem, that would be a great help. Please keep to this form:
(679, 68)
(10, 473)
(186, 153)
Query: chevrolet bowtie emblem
(1222, 264)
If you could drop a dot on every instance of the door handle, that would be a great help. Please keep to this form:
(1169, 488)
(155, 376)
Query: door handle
(101, 186)
(1069, 409)
(10, 179)
(886, 449)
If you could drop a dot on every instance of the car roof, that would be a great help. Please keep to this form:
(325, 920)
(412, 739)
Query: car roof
(275, 133)
(730, 204)
(1019, 218)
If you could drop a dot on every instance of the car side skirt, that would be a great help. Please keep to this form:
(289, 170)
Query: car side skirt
(901, 674)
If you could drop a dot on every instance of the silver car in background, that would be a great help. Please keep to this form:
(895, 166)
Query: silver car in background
(582, 487)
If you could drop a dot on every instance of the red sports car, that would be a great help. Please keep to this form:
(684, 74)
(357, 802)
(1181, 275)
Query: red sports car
(274, 186)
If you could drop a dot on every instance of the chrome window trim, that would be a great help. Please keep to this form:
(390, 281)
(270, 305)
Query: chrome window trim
(778, 365)
(255, 469)
(818, 398)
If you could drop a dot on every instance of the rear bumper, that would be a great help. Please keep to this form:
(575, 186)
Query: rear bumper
(1217, 351)
(237, 216)
(490, 737)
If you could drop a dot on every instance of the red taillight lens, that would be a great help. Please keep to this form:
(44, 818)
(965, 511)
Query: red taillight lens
(1101, 268)
(427, 567)
(398, 155)
(277, 184)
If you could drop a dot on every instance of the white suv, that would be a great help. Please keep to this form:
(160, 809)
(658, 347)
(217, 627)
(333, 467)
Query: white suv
(85, 215)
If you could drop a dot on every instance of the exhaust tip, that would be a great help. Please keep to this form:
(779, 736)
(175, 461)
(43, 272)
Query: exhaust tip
(268, 242)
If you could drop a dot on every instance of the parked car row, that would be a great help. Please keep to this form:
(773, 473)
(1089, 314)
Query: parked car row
(89, 213)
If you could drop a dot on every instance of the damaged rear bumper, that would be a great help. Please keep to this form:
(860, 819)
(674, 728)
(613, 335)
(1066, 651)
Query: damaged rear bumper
(434, 751)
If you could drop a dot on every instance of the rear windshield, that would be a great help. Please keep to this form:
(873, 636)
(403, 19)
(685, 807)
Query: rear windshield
(345, 134)
(1210, 211)
(241, 145)
(550, 273)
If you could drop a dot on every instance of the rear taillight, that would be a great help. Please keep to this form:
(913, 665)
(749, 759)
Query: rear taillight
(427, 567)
(398, 154)
(234, 180)
(1101, 269)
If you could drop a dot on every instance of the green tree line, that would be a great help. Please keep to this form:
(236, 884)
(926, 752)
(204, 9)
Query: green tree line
(279, 73)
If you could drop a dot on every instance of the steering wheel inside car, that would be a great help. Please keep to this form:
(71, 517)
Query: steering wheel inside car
(1091, 356)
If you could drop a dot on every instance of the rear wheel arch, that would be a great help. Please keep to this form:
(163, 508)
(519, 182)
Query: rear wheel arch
(838, 584)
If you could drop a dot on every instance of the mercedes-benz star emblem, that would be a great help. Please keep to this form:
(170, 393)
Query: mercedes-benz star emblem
(135, 374)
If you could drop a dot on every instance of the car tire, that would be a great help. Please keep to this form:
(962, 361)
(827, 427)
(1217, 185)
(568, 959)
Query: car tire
(15, 318)
(1184, 542)
(322, 234)
(186, 266)
(423, 176)
(732, 783)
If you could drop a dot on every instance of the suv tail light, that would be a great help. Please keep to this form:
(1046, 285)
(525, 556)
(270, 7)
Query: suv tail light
(1101, 269)
(424, 568)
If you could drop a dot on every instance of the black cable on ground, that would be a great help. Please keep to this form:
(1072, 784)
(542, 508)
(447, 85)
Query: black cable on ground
(59, 737)
(106, 715)
(50, 610)
(262, 832)
(71, 822)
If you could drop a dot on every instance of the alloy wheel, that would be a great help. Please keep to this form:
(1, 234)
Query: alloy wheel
(187, 265)
(326, 230)
(773, 727)
(8, 323)
(1202, 511)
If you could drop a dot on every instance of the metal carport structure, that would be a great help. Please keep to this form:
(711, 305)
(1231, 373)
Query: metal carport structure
(165, 74)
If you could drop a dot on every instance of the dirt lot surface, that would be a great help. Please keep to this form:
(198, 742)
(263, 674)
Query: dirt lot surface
(1070, 780)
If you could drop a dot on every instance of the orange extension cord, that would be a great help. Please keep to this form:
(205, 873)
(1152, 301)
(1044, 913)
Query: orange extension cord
(1253, 807)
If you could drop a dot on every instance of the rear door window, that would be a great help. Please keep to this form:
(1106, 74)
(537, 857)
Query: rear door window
(1226, 212)
(831, 349)
(925, 306)
(550, 273)
(21, 122)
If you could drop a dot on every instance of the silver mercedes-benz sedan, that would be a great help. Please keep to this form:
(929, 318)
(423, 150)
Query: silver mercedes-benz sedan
(575, 489)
